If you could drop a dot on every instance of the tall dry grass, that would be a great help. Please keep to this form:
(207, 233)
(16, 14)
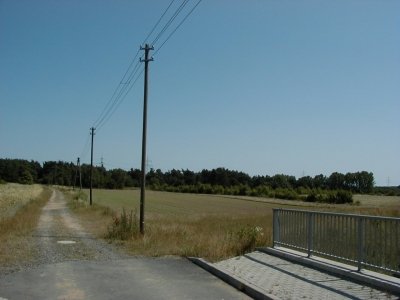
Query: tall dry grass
(13, 196)
(189, 226)
(214, 238)
(16, 244)
(210, 226)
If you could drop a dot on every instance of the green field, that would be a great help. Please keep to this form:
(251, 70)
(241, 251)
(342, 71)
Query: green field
(196, 205)
(211, 226)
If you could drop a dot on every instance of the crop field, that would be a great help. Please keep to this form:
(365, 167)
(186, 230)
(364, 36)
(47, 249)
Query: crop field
(211, 226)
(13, 196)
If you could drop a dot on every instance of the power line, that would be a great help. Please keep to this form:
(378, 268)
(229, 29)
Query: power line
(177, 12)
(85, 147)
(158, 22)
(118, 100)
(115, 101)
(110, 102)
(121, 99)
(177, 27)
(128, 80)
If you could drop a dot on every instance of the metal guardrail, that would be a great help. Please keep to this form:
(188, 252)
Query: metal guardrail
(365, 241)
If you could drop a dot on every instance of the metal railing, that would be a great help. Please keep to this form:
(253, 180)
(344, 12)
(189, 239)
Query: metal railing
(365, 241)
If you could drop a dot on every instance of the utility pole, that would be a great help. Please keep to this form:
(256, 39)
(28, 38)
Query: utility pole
(146, 60)
(91, 165)
(80, 174)
(76, 173)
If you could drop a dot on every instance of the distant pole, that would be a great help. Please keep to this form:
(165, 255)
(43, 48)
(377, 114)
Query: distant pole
(146, 60)
(76, 174)
(80, 173)
(91, 166)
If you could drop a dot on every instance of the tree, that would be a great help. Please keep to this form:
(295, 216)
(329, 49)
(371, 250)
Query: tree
(336, 181)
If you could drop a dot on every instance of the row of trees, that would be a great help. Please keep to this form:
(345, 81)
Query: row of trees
(63, 173)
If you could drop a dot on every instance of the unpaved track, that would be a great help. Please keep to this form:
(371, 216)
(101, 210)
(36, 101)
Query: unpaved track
(60, 237)
(82, 267)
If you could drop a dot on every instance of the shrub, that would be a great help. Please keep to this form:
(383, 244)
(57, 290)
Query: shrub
(344, 197)
(313, 197)
(123, 227)
(287, 194)
(246, 238)
(339, 197)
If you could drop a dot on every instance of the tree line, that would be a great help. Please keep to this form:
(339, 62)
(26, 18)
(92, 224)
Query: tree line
(217, 181)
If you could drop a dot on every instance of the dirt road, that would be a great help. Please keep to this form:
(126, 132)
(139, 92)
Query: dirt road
(71, 264)
(60, 237)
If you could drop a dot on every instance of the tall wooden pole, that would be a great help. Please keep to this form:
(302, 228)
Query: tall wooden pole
(146, 60)
(91, 166)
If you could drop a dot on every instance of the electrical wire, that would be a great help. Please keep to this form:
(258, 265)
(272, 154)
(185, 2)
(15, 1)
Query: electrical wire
(120, 100)
(177, 27)
(173, 17)
(85, 148)
(158, 22)
(109, 103)
(129, 80)
(117, 99)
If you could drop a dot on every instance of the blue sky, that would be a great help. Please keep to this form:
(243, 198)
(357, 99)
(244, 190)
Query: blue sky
(265, 87)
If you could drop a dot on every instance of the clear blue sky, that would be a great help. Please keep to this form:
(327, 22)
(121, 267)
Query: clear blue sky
(264, 87)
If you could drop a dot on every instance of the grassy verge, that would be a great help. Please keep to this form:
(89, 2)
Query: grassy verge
(16, 245)
(210, 226)
(95, 218)
(190, 226)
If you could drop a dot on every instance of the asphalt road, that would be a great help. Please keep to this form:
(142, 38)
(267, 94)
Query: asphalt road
(133, 278)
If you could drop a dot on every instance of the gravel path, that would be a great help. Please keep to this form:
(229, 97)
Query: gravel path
(60, 237)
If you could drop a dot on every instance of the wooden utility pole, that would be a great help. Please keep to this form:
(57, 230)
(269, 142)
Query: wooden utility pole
(146, 60)
(91, 165)
(77, 168)
(80, 173)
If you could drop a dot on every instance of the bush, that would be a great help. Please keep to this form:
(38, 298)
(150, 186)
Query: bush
(123, 227)
(342, 197)
(246, 238)
(313, 197)
(287, 194)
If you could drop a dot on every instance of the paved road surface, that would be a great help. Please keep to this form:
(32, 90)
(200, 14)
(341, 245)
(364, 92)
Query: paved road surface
(135, 278)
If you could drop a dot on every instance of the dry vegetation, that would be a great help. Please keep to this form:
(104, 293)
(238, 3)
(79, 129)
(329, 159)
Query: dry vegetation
(210, 226)
(25, 203)
(13, 196)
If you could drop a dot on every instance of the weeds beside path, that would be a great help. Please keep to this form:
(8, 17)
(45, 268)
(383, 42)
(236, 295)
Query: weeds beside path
(187, 227)
(16, 244)
(44, 231)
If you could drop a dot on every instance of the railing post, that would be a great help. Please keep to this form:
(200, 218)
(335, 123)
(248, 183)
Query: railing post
(310, 232)
(275, 229)
(360, 241)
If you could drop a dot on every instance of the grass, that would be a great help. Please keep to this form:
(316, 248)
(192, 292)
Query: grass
(210, 226)
(16, 244)
(13, 196)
